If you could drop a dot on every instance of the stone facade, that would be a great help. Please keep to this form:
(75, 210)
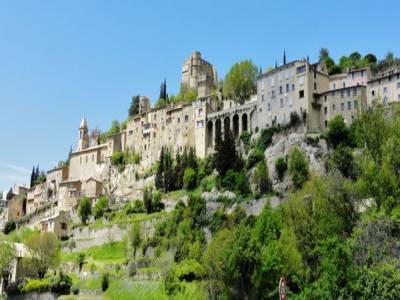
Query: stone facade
(198, 75)
(384, 88)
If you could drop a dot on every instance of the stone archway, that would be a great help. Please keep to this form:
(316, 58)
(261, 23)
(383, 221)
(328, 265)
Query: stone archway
(218, 128)
(245, 125)
(210, 138)
(227, 124)
(235, 121)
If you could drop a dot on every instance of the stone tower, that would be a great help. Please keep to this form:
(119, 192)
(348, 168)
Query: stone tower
(198, 75)
(83, 140)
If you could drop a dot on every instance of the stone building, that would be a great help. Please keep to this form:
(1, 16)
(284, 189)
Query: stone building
(350, 78)
(57, 223)
(384, 88)
(16, 206)
(292, 87)
(198, 75)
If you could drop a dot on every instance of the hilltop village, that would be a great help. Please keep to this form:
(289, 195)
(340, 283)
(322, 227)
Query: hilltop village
(298, 96)
(296, 87)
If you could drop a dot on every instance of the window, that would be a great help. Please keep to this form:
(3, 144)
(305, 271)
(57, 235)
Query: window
(315, 86)
(334, 86)
(272, 93)
(342, 94)
(290, 101)
(342, 105)
(301, 69)
(352, 75)
(354, 92)
(355, 104)
(325, 110)
(63, 226)
(398, 85)
(287, 87)
(373, 93)
(200, 112)
(333, 107)
(349, 105)
(281, 102)
(130, 132)
(344, 84)
(186, 118)
(292, 86)
(280, 90)
(315, 75)
(200, 124)
(301, 94)
(262, 97)
(385, 100)
(348, 93)
(325, 98)
(269, 106)
(179, 119)
(326, 123)
(362, 73)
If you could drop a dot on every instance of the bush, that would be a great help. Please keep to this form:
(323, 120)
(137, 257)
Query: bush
(38, 285)
(138, 207)
(100, 207)
(280, 167)
(75, 289)
(60, 282)
(255, 156)
(265, 138)
(105, 281)
(298, 168)
(189, 179)
(294, 119)
(261, 178)
(338, 132)
(132, 269)
(245, 137)
(9, 226)
(118, 160)
(235, 181)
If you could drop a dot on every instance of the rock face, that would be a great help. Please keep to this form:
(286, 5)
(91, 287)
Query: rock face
(127, 185)
(312, 147)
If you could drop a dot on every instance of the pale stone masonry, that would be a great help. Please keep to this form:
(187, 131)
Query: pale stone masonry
(297, 86)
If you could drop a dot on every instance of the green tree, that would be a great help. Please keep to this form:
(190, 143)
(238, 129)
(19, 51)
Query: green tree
(9, 226)
(100, 207)
(135, 237)
(298, 168)
(261, 178)
(338, 132)
(280, 167)
(44, 249)
(7, 257)
(80, 260)
(226, 156)
(134, 107)
(240, 81)
(189, 179)
(84, 209)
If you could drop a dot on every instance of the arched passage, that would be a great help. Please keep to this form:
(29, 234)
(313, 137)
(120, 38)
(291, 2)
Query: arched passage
(227, 124)
(217, 129)
(210, 140)
(244, 122)
(235, 121)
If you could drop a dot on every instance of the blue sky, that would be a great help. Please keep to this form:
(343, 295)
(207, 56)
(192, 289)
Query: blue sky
(60, 60)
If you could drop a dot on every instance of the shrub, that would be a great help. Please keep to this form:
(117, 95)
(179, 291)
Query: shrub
(80, 260)
(100, 207)
(265, 138)
(118, 160)
(298, 168)
(294, 119)
(235, 181)
(75, 289)
(138, 207)
(105, 281)
(132, 269)
(255, 156)
(261, 178)
(245, 137)
(60, 282)
(189, 179)
(9, 226)
(280, 167)
(338, 132)
(36, 285)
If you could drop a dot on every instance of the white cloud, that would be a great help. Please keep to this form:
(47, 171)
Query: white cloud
(15, 168)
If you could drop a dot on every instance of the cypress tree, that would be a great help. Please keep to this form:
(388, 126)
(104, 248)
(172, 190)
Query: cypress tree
(159, 181)
(32, 177)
